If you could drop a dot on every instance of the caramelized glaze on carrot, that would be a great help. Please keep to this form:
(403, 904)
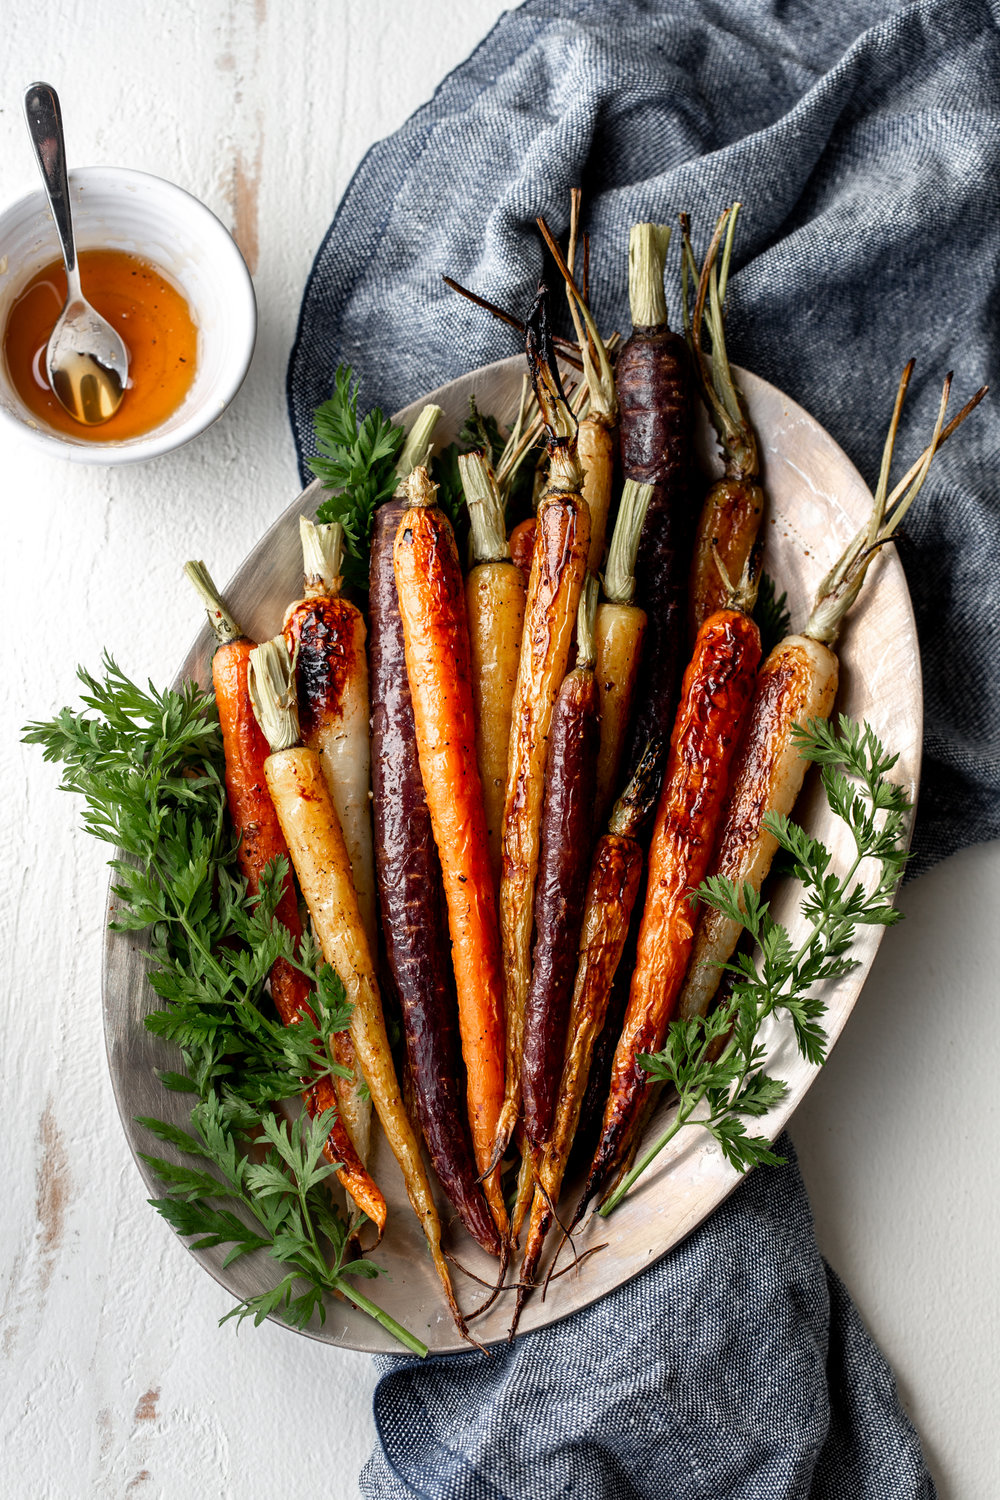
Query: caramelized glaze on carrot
(715, 699)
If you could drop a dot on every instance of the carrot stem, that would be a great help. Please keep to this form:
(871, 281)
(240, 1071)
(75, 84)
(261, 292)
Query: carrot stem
(647, 254)
(388, 1322)
(419, 441)
(619, 575)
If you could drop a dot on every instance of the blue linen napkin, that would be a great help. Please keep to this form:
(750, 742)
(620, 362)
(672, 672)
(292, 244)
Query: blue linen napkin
(737, 1366)
(864, 140)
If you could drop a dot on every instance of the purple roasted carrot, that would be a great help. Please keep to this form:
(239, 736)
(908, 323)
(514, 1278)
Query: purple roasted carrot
(411, 899)
(564, 862)
(656, 405)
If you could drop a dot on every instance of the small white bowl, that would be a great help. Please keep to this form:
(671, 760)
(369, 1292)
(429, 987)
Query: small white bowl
(117, 209)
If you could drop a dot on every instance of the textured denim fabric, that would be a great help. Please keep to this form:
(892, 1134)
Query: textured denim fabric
(864, 140)
(736, 1368)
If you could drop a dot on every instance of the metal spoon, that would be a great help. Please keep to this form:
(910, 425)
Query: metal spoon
(85, 361)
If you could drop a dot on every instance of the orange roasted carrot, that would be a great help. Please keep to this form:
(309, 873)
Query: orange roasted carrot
(797, 683)
(715, 699)
(261, 840)
(438, 668)
(733, 509)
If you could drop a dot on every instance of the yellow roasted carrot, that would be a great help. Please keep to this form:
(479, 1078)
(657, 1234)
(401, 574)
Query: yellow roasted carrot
(322, 864)
(494, 602)
(619, 632)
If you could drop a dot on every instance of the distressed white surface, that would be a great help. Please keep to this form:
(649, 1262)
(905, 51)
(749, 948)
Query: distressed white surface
(115, 1378)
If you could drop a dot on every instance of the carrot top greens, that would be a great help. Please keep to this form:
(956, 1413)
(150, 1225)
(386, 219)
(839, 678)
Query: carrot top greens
(771, 614)
(357, 461)
(149, 767)
(480, 434)
(715, 1063)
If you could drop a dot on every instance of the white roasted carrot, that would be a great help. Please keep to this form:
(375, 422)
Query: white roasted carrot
(326, 635)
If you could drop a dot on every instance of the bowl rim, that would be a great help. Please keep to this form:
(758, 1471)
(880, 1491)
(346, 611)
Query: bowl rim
(157, 442)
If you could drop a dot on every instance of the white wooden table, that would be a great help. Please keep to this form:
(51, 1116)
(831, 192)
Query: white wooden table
(116, 1378)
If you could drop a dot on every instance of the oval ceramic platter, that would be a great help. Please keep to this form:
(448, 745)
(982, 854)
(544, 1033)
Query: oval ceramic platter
(817, 500)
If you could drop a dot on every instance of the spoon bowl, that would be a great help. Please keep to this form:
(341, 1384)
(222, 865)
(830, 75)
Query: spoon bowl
(86, 361)
(84, 364)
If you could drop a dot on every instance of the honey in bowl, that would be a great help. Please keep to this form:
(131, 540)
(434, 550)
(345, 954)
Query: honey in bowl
(146, 309)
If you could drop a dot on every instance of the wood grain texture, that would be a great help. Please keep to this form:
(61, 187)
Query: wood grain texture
(99, 1304)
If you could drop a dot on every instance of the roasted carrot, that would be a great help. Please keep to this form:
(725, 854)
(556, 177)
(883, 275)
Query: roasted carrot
(564, 859)
(615, 878)
(798, 682)
(319, 856)
(771, 777)
(588, 1130)
(326, 634)
(439, 672)
(715, 699)
(597, 434)
(260, 841)
(494, 601)
(562, 542)
(411, 898)
(655, 395)
(596, 444)
(733, 509)
(522, 546)
(619, 633)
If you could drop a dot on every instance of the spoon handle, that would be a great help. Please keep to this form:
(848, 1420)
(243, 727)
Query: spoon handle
(44, 120)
